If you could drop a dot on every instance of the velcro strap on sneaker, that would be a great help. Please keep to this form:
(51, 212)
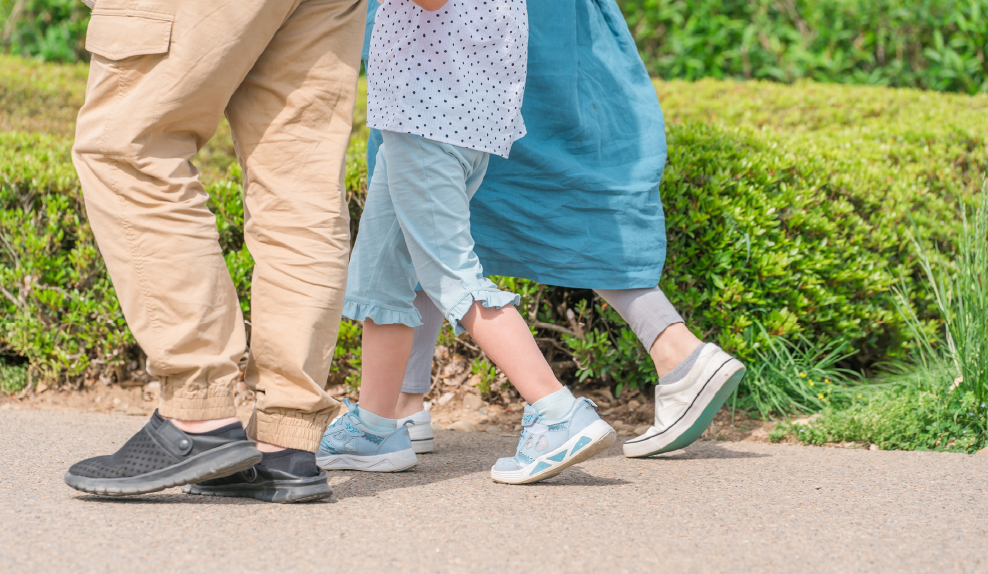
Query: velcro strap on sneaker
(170, 439)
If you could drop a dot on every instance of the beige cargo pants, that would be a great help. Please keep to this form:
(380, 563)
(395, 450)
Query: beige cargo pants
(285, 74)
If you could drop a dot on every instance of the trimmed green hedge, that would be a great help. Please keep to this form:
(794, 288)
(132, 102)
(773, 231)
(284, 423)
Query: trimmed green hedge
(59, 309)
(786, 205)
(822, 184)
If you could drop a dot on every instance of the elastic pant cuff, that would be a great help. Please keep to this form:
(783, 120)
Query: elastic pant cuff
(416, 385)
(291, 429)
(214, 401)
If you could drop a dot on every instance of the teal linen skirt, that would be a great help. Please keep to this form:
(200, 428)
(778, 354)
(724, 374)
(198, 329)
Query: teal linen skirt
(577, 202)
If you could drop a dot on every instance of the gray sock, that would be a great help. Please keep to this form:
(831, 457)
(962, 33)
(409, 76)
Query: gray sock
(684, 367)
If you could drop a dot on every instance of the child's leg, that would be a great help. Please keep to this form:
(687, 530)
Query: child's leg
(431, 187)
(385, 353)
(505, 337)
(381, 293)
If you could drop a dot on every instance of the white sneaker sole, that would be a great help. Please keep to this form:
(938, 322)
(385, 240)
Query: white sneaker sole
(391, 462)
(422, 438)
(697, 417)
(592, 440)
(422, 445)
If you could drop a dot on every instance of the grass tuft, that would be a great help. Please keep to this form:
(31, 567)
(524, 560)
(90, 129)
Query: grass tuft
(797, 377)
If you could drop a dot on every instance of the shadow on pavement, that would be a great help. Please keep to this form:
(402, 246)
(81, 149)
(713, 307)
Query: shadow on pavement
(575, 476)
(177, 498)
(704, 450)
(457, 455)
(697, 451)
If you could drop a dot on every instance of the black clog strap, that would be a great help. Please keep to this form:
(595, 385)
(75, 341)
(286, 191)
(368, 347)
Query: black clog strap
(170, 439)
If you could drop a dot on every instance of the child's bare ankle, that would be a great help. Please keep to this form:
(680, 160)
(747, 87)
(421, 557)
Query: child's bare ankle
(409, 404)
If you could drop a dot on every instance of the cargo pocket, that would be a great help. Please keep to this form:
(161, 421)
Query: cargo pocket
(119, 34)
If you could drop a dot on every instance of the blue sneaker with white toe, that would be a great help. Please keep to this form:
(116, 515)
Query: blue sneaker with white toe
(349, 445)
(547, 447)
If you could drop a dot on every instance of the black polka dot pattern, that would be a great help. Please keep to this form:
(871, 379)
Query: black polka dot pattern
(456, 75)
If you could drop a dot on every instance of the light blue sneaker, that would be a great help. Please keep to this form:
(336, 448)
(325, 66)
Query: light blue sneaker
(548, 447)
(349, 445)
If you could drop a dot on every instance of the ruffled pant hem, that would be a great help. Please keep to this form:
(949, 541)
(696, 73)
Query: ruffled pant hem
(488, 297)
(360, 311)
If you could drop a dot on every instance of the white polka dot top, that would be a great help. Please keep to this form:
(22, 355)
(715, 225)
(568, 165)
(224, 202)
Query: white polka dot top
(456, 75)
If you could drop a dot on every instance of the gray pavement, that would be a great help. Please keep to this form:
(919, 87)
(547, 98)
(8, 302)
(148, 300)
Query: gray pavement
(719, 507)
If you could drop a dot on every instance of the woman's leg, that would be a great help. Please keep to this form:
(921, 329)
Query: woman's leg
(694, 378)
(656, 323)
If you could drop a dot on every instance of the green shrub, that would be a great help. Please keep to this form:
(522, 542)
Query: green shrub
(931, 44)
(938, 401)
(847, 171)
(960, 355)
(604, 348)
(38, 97)
(58, 307)
(487, 373)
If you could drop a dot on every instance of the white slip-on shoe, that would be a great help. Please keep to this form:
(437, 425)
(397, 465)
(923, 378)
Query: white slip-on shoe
(420, 431)
(684, 409)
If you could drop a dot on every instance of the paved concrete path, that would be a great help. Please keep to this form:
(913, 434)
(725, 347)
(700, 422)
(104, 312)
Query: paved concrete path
(719, 507)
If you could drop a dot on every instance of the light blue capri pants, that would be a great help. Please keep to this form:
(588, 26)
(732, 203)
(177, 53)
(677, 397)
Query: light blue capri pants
(415, 231)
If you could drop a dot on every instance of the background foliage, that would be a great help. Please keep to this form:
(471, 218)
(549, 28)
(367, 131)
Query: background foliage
(930, 44)
(54, 30)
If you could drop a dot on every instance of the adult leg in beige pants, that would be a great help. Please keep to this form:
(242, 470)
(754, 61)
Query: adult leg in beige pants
(163, 74)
